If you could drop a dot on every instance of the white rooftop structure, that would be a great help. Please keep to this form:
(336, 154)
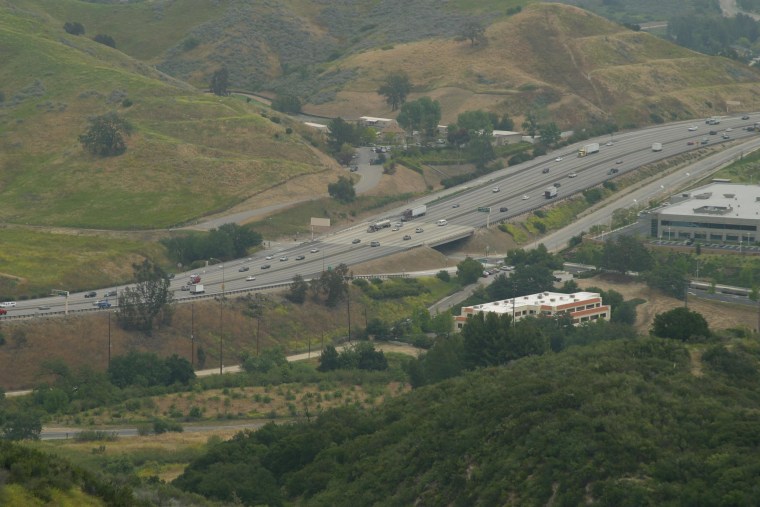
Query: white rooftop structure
(316, 125)
(718, 199)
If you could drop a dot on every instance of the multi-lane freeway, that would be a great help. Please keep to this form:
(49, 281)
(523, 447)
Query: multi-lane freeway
(519, 189)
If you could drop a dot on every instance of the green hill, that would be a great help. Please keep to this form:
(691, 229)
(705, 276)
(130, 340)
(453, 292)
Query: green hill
(190, 154)
(643, 422)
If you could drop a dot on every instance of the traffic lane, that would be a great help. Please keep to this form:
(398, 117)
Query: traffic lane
(66, 433)
(722, 298)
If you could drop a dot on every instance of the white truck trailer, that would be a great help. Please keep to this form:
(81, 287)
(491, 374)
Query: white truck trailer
(196, 289)
(550, 192)
(412, 213)
(588, 149)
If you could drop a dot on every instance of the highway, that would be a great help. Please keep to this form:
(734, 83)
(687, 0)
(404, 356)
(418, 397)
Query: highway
(520, 189)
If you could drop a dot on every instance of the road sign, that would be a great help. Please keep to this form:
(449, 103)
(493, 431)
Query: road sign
(484, 210)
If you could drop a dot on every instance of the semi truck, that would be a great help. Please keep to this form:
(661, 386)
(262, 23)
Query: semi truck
(550, 192)
(196, 289)
(588, 149)
(195, 279)
(382, 224)
(657, 147)
(412, 213)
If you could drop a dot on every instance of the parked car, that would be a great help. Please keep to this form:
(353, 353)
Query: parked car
(243, 269)
(91, 294)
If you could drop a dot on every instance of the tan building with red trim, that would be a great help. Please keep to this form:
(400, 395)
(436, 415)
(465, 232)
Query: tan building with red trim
(581, 306)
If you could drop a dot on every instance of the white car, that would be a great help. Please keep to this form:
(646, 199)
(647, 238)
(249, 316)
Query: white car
(8, 304)
(495, 189)
(572, 175)
(525, 197)
(250, 278)
(269, 257)
(558, 159)
(395, 229)
(314, 250)
(693, 128)
(283, 258)
(608, 143)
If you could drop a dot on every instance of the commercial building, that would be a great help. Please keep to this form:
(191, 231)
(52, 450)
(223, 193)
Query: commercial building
(717, 213)
(580, 306)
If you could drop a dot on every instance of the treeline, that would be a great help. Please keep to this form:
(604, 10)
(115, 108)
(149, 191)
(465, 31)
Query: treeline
(569, 428)
(714, 35)
(229, 241)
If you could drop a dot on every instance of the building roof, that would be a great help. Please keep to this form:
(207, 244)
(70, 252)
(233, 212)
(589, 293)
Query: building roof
(728, 200)
(374, 119)
(504, 133)
(550, 299)
(315, 125)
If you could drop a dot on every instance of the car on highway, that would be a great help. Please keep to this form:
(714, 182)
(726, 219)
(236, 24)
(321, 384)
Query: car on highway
(266, 266)
(283, 258)
(693, 128)
(374, 243)
(103, 304)
(572, 175)
(314, 250)
(269, 257)
(525, 197)
(608, 143)
(455, 205)
(43, 307)
(91, 294)
(691, 143)
(243, 269)
(406, 237)
(545, 170)
(184, 288)
(396, 229)
(729, 129)
(558, 159)
(8, 304)
(356, 241)
(300, 257)
(713, 132)
(3, 311)
(557, 185)
(250, 278)
(503, 209)
(613, 170)
(419, 229)
(110, 293)
(745, 117)
(618, 161)
(495, 189)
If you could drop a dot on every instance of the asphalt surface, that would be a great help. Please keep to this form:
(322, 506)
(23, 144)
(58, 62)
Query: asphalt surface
(520, 189)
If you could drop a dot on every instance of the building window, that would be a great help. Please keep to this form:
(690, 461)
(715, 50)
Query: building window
(716, 237)
(731, 237)
(700, 236)
(684, 234)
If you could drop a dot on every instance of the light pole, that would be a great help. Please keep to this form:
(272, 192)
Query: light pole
(221, 321)
(58, 292)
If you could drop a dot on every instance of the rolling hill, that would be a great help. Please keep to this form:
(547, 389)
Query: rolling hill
(191, 153)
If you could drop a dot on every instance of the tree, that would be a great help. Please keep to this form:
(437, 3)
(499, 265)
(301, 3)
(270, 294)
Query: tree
(105, 135)
(332, 283)
(474, 31)
(340, 132)
(680, 324)
(530, 125)
(73, 28)
(469, 270)
(550, 133)
(329, 359)
(298, 290)
(22, 425)
(286, 104)
(422, 114)
(220, 80)
(149, 298)
(346, 154)
(104, 39)
(395, 88)
(626, 253)
(342, 190)
(476, 122)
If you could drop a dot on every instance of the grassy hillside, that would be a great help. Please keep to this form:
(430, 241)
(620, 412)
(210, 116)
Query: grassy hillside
(190, 154)
(573, 65)
(641, 422)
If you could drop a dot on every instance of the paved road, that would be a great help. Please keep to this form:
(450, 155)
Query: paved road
(519, 188)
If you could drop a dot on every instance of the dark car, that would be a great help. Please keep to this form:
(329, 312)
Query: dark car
(91, 294)
(745, 117)
(374, 243)
(110, 293)
(357, 240)
(713, 132)
(406, 236)
(266, 266)
(503, 209)
(546, 170)
(243, 269)
(557, 185)
(300, 257)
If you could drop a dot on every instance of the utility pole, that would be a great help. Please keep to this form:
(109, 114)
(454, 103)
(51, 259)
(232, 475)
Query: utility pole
(348, 306)
(192, 335)
(109, 338)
